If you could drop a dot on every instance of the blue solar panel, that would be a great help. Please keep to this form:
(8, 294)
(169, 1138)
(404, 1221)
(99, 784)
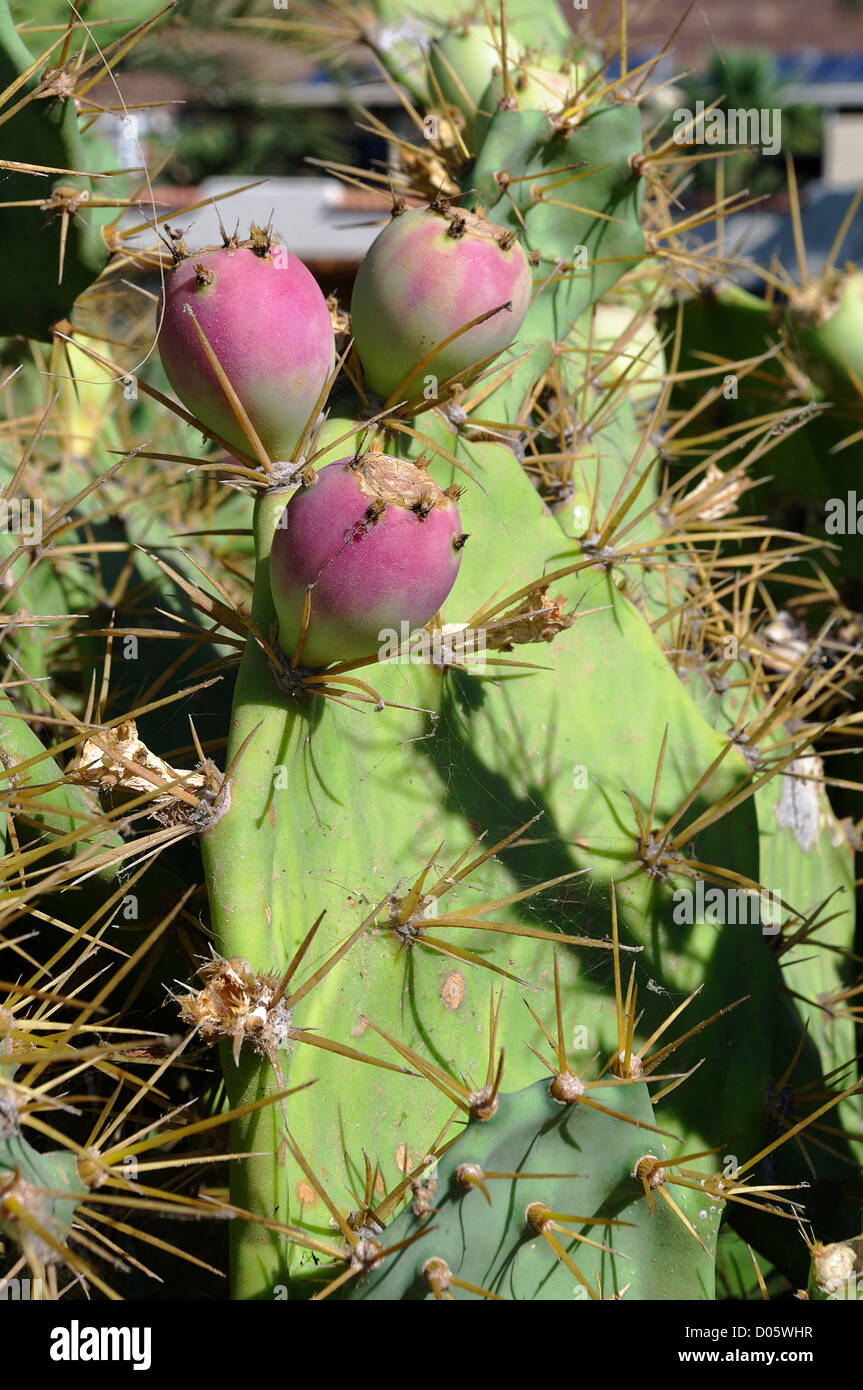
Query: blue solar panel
(806, 66)
(662, 70)
(822, 67)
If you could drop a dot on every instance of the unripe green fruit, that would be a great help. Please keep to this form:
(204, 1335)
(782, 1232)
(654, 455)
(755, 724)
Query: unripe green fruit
(638, 363)
(462, 64)
(431, 272)
(825, 326)
(531, 87)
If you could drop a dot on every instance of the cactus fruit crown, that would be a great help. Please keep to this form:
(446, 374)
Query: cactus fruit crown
(261, 240)
(464, 223)
(385, 480)
(236, 1003)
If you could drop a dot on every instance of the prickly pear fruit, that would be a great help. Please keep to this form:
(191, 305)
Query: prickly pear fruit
(645, 286)
(639, 356)
(535, 87)
(375, 543)
(462, 63)
(527, 87)
(269, 327)
(824, 327)
(430, 272)
(574, 504)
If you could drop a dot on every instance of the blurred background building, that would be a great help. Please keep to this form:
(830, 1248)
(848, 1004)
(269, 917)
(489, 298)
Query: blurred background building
(231, 99)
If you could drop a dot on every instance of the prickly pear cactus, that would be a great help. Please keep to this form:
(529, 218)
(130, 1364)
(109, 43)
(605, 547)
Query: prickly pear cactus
(549, 1200)
(56, 226)
(468, 809)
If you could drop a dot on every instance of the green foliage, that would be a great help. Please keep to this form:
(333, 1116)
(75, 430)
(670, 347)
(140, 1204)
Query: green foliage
(749, 80)
(398, 857)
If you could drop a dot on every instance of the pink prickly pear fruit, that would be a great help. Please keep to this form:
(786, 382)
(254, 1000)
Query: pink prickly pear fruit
(376, 543)
(269, 327)
(429, 272)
